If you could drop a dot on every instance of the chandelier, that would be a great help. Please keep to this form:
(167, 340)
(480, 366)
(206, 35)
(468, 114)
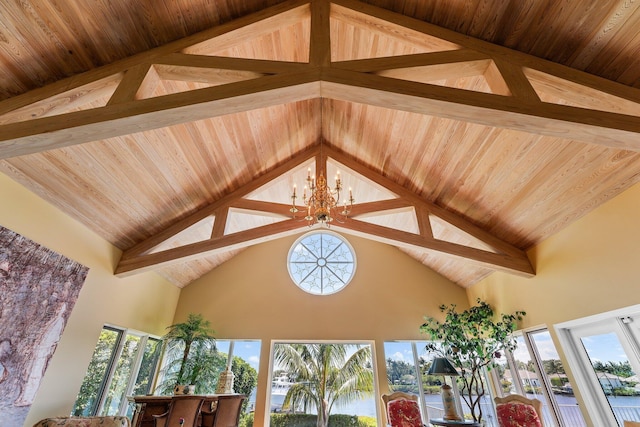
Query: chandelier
(322, 205)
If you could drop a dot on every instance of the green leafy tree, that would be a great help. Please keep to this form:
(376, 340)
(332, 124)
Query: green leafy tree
(472, 339)
(148, 367)
(86, 399)
(327, 375)
(194, 359)
(398, 371)
(621, 369)
(245, 378)
(553, 366)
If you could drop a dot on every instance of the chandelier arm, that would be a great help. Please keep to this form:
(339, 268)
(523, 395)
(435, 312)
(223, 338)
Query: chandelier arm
(323, 201)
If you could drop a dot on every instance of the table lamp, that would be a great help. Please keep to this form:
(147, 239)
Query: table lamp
(442, 366)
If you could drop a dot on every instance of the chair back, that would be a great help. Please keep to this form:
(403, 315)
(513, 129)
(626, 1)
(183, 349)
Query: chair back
(518, 411)
(227, 413)
(631, 423)
(402, 409)
(183, 412)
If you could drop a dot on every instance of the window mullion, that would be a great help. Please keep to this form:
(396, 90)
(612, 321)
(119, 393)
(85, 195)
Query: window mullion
(416, 364)
(515, 376)
(542, 375)
(133, 374)
(113, 364)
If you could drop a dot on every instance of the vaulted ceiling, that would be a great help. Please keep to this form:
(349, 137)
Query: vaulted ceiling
(468, 131)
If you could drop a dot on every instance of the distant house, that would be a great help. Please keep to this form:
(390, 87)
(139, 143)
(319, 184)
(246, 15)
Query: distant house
(608, 382)
(528, 378)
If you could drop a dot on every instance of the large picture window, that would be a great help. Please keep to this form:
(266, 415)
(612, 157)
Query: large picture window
(308, 377)
(123, 363)
(533, 370)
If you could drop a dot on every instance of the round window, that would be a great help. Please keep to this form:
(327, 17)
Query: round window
(321, 262)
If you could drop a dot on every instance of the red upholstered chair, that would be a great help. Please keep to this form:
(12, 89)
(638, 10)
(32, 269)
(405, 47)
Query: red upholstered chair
(518, 411)
(402, 409)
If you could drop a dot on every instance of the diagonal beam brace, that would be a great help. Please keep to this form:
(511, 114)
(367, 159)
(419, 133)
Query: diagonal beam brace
(138, 264)
(17, 139)
(507, 257)
(597, 127)
(519, 265)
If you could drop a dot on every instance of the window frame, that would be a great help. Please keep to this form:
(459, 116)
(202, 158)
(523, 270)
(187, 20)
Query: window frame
(494, 388)
(590, 391)
(112, 365)
(302, 284)
(271, 377)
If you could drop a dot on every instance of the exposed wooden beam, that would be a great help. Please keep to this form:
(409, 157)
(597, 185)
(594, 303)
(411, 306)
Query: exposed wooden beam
(141, 263)
(425, 206)
(295, 8)
(506, 257)
(514, 265)
(596, 127)
(232, 199)
(48, 133)
(131, 84)
(349, 80)
(376, 65)
(258, 66)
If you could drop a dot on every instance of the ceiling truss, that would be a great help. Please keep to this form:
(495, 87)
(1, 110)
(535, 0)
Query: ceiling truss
(591, 109)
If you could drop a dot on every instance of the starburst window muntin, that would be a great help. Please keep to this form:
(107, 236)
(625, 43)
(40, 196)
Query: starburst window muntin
(321, 262)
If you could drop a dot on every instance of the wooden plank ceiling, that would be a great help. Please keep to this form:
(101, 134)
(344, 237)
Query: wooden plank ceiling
(469, 131)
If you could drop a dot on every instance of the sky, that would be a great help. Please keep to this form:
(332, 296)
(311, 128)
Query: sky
(249, 351)
(604, 348)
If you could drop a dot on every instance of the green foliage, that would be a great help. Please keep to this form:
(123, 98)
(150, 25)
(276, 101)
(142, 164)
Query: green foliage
(506, 386)
(367, 422)
(553, 366)
(556, 381)
(191, 350)
(103, 356)
(290, 420)
(245, 378)
(325, 375)
(306, 420)
(624, 391)
(95, 373)
(621, 369)
(472, 339)
(431, 389)
(148, 366)
(398, 371)
(310, 420)
(246, 420)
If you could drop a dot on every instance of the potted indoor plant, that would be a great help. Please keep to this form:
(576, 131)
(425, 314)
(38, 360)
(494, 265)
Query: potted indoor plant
(190, 347)
(472, 340)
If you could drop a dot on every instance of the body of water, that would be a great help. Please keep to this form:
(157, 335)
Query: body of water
(627, 405)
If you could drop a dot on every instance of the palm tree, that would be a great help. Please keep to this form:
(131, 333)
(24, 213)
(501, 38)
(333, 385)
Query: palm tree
(191, 348)
(325, 375)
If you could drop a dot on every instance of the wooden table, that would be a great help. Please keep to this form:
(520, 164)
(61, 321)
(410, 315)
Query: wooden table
(147, 406)
(452, 423)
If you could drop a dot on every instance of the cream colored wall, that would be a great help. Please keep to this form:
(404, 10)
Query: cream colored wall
(144, 302)
(590, 267)
(252, 297)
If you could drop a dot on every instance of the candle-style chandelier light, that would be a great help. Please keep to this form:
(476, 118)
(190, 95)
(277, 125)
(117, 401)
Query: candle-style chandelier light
(322, 205)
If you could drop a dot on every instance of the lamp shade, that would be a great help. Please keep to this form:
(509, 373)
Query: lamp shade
(442, 366)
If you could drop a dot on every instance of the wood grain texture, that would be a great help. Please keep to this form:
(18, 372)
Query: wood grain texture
(131, 176)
